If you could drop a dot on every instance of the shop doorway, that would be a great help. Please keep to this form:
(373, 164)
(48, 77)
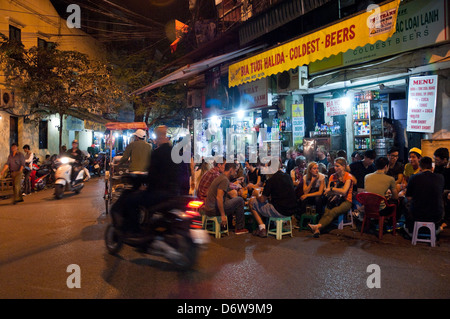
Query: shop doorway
(13, 130)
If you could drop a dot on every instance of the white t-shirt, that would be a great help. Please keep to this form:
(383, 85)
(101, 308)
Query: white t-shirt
(319, 180)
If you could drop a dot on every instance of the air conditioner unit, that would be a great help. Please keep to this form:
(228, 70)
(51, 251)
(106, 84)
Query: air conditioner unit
(194, 98)
(6, 98)
(293, 80)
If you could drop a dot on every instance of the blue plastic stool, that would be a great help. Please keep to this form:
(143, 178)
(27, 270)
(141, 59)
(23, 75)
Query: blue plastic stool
(345, 219)
(278, 230)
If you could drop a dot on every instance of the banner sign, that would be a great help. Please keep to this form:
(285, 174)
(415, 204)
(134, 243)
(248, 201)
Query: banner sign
(422, 103)
(254, 94)
(368, 27)
(336, 107)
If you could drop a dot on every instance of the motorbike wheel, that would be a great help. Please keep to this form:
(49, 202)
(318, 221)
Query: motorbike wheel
(113, 241)
(59, 191)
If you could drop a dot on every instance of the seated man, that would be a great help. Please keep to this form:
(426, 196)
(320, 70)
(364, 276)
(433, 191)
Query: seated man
(441, 157)
(380, 183)
(424, 192)
(395, 167)
(361, 168)
(283, 202)
(217, 203)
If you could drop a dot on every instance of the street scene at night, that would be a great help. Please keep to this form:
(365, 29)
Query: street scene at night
(225, 157)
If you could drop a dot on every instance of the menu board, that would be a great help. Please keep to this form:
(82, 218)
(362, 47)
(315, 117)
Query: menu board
(422, 103)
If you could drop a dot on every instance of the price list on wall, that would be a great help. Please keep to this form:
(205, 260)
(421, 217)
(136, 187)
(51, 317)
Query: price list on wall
(422, 103)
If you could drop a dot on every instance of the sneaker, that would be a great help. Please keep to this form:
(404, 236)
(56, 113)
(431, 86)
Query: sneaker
(241, 231)
(260, 233)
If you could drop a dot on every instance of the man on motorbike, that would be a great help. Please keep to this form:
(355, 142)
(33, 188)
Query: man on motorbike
(162, 184)
(77, 155)
(138, 152)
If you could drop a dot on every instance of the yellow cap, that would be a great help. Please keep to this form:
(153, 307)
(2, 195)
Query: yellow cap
(416, 150)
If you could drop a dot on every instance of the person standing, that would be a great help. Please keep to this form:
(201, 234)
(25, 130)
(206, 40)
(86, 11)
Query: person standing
(15, 163)
(27, 169)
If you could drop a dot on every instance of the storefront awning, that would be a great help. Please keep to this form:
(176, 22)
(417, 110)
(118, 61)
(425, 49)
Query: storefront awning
(191, 70)
(369, 27)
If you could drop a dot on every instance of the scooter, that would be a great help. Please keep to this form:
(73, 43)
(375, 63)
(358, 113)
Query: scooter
(172, 229)
(63, 174)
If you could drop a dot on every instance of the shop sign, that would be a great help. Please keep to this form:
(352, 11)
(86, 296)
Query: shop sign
(422, 103)
(368, 27)
(336, 107)
(420, 23)
(253, 94)
(298, 123)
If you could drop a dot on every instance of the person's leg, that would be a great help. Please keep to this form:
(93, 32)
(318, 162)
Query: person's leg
(330, 215)
(235, 206)
(27, 182)
(17, 186)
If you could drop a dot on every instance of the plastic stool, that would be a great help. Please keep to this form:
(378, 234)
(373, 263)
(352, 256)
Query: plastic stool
(278, 231)
(431, 227)
(345, 220)
(314, 219)
(212, 225)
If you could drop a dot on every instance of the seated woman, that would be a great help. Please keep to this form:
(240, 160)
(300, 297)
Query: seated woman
(340, 183)
(313, 186)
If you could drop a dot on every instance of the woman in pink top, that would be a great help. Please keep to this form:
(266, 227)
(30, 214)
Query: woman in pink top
(340, 183)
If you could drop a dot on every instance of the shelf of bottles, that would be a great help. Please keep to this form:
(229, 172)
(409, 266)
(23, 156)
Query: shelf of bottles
(367, 120)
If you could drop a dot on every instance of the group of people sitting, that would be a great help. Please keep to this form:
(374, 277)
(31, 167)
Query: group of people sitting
(419, 189)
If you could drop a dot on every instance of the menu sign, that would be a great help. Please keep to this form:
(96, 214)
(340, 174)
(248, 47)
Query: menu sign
(422, 103)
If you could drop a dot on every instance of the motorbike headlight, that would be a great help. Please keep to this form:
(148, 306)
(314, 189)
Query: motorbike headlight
(64, 160)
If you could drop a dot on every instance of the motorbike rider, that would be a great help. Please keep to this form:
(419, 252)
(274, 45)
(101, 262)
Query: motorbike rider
(162, 184)
(138, 152)
(77, 155)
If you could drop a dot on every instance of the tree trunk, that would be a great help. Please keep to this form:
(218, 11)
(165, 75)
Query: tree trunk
(60, 131)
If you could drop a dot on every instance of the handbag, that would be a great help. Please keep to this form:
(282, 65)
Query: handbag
(334, 200)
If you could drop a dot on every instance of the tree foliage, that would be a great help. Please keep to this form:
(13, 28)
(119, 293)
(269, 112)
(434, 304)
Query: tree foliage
(160, 106)
(52, 81)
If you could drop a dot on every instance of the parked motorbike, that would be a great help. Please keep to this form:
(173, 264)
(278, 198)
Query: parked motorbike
(98, 163)
(171, 229)
(63, 177)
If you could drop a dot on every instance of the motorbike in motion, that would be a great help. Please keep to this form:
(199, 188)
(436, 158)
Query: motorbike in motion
(172, 229)
(63, 177)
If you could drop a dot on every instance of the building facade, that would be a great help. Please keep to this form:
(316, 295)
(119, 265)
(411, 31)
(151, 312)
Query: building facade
(37, 23)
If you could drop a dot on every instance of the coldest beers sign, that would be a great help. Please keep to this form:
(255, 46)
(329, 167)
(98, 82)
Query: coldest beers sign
(375, 24)
(422, 103)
